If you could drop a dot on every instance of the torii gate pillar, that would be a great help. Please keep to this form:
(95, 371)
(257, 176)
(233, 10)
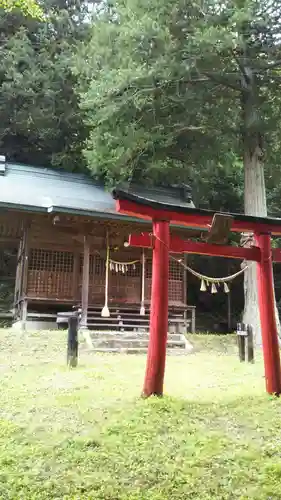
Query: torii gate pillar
(156, 356)
(270, 345)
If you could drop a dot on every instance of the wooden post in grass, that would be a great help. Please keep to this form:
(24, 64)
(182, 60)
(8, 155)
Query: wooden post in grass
(241, 335)
(72, 341)
(245, 341)
(250, 344)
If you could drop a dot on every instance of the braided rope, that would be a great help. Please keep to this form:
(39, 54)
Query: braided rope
(202, 276)
(119, 263)
(208, 278)
(131, 263)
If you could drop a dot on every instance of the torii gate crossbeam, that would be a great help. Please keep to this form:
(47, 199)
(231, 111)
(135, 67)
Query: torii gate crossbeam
(161, 216)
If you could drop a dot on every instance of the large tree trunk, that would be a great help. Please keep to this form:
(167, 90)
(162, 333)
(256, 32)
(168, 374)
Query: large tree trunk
(254, 185)
(254, 204)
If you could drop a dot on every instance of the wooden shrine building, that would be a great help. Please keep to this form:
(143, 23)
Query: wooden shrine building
(70, 246)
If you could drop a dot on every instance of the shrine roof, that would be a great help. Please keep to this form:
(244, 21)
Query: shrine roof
(40, 189)
(35, 189)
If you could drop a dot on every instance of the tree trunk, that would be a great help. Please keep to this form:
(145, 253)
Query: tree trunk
(253, 158)
(254, 204)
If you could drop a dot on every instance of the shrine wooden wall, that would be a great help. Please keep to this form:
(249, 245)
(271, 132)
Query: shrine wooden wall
(53, 260)
(56, 274)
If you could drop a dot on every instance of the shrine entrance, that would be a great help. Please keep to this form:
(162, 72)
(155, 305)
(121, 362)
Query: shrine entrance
(219, 226)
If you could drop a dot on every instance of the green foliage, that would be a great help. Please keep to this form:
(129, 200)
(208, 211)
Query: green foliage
(143, 113)
(86, 433)
(164, 86)
(41, 122)
(27, 7)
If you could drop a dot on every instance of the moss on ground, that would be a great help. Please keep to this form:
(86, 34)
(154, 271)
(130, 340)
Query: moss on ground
(86, 433)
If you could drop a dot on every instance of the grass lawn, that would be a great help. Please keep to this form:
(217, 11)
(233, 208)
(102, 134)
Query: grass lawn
(86, 433)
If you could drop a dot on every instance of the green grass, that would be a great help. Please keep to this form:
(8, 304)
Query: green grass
(86, 433)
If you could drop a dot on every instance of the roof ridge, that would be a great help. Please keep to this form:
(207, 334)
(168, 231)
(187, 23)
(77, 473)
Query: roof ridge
(49, 172)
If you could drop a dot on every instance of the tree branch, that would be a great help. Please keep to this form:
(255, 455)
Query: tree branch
(240, 65)
(217, 78)
(270, 66)
(277, 78)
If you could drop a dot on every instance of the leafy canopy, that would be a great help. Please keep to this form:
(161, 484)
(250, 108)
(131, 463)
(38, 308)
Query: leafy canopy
(27, 7)
(41, 122)
(163, 85)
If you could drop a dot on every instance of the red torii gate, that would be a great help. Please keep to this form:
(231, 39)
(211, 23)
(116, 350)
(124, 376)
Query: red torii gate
(162, 215)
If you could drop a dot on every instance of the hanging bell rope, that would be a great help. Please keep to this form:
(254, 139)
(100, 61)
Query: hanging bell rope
(105, 313)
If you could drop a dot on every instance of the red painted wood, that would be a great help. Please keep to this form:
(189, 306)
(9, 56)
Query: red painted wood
(159, 299)
(267, 316)
(177, 245)
(143, 240)
(156, 356)
(194, 220)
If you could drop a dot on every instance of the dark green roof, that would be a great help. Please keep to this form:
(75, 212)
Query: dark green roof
(27, 188)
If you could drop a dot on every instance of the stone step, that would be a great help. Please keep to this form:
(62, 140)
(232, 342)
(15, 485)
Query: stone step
(132, 342)
(141, 350)
(136, 343)
(103, 329)
(117, 310)
(116, 325)
(115, 314)
(116, 321)
(130, 336)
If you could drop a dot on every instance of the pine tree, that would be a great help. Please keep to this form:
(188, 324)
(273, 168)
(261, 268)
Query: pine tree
(173, 89)
(41, 121)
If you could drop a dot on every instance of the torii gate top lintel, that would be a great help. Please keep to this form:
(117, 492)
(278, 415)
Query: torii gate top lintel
(132, 204)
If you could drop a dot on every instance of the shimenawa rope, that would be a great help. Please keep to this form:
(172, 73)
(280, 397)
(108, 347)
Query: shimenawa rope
(206, 280)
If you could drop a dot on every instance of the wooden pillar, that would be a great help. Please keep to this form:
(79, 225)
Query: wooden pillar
(229, 321)
(185, 257)
(185, 291)
(143, 272)
(72, 342)
(267, 316)
(24, 263)
(24, 306)
(23, 289)
(229, 304)
(85, 284)
(17, 282)
(76, 271)
(156, 356)
(193, 320)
